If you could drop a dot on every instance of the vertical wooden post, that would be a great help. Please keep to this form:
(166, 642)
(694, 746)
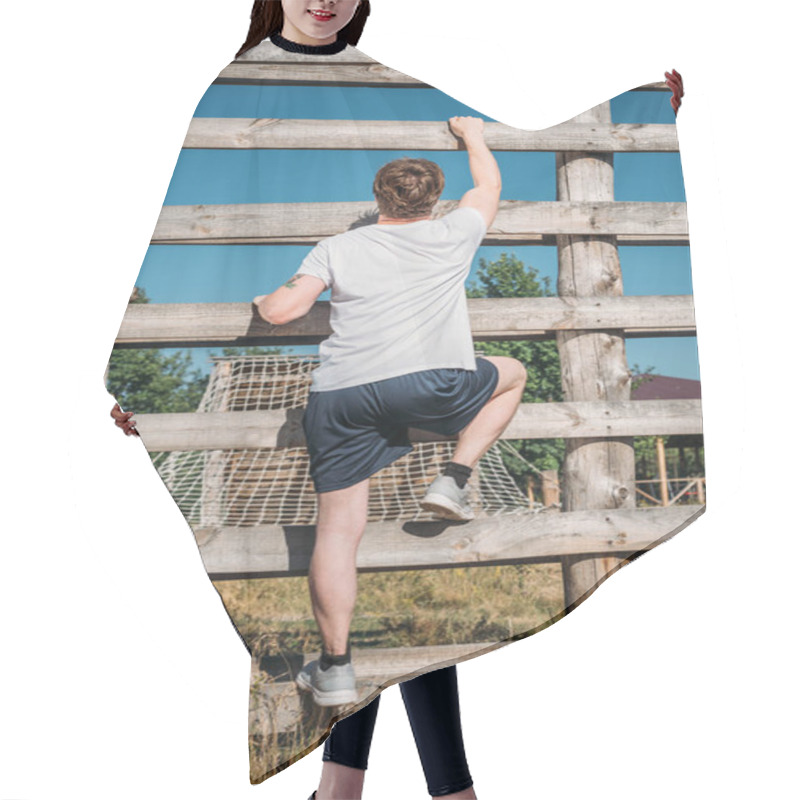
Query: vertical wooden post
(215, 462)
(701, 491)
(551, 491)
(662, 470)
(529, 486)
(475, 497)
(598, 472)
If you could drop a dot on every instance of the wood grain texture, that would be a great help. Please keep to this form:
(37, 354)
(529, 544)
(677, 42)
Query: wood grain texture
(535, 318)
(223, 430)
(598, 473)
(351, 68)
(283, 550)
(517, 221)
(230, 133)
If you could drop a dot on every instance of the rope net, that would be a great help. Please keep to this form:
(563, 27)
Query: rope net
(260, 486)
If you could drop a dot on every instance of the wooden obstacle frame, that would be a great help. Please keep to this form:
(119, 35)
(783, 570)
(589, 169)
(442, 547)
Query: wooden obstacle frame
(599, 527)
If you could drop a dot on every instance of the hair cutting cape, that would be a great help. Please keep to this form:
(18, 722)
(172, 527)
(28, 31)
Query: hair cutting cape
(584, 276)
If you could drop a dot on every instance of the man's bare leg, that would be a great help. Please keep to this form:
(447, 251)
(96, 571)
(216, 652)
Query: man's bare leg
(493, 418)
(332, 576)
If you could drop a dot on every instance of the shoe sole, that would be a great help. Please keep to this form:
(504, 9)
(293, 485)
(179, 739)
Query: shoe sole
(332, 698)
(443, 506)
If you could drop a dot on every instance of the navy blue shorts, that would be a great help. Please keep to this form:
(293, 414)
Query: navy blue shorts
(354, 432)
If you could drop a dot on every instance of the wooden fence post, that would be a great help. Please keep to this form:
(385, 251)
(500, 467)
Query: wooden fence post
(212, 488)
(701, 491)
(551, 491)
(529, 489)
(598, 472)
(662, 470)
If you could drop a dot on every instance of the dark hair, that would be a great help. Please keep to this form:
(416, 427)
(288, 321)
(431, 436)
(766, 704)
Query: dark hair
(408, 187)
(266, 18)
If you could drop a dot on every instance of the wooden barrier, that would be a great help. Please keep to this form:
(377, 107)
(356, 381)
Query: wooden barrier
(271, 551)
(599, 528)
(534, 318)
(246, 429)
(518, 222)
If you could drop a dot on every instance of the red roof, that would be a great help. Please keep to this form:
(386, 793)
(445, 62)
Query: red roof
(663, 387)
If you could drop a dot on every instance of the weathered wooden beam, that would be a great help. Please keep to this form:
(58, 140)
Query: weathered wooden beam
(223, 430)
(229, 133)
(282, 705)
(517, 221)
(337, 69)
(598, 473)
(266, 551)
(379, 664)
(508, 318)
(266, 53)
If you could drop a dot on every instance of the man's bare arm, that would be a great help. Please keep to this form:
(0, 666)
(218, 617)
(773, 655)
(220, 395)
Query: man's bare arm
(292, 300)
(485, 197)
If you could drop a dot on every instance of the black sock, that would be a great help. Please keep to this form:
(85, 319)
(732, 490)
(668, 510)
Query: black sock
(459, 472)
(326, 660)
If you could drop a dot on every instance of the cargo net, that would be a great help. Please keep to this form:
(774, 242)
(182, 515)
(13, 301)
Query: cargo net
(259, 486)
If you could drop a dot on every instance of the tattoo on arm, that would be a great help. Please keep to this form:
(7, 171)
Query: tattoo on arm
(292, 282)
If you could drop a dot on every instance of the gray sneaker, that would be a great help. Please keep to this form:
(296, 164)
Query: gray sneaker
(330, 687)
(445, 499)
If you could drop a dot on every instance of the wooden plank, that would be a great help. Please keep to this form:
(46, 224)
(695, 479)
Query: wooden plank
(353, 68)
(379, 664)
(267, 53)
(336, 70)
(508, 318)
(281, 704)
(231, 133)
(269, 429)
(517, 221)
(265, 551)
(644, 240)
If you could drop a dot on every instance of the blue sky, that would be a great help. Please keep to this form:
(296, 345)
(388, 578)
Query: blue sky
(236, 273)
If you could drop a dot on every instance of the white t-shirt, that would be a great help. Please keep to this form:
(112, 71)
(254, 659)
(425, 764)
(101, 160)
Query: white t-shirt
(398, 303)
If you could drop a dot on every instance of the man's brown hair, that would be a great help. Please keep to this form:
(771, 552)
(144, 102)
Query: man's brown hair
(408, 187)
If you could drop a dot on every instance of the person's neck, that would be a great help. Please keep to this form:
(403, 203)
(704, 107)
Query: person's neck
(400, 220)
(279, 40)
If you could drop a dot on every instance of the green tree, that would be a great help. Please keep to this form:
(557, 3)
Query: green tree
(508, 276)
(147, 381)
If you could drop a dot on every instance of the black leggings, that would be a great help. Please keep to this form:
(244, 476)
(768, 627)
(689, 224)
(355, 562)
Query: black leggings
(432, 706)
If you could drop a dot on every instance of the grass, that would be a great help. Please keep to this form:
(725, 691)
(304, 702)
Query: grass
(409, 608)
